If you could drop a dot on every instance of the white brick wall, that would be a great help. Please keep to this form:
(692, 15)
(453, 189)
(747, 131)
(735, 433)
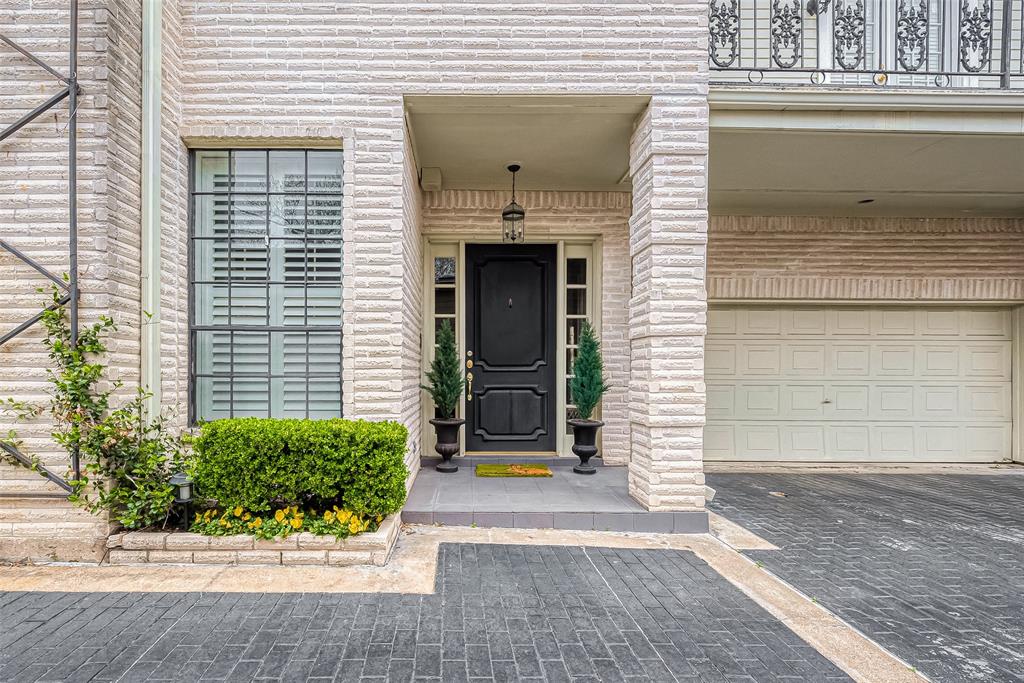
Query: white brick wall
(803, 257)
(263, 70)
(33, 216)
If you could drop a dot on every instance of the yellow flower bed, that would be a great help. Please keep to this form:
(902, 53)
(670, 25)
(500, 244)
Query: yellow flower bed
(285, 521)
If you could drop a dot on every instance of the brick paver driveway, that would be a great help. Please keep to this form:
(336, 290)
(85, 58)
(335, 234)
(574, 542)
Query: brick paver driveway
(931, 566)
(500, 612)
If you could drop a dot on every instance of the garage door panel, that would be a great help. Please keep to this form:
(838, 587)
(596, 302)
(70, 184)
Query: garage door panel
(765, 321)
(985, 443)
(892, 402)
(804, 360)
(721, 321)
(805, 322)
(850, 402)
(849, 322)
(888, 322)
(757, 401)
(803, 401)
(939, 322)
(758, 442)
(937, 442)
(893, 360)
(861, 383)
(987, 402)
(804, 441)
(892, 442)
(760, 359)
(721, 401)
(849, 443)
(720, 442)
(988, 359)
(938, 360)
(850, 360)
(937, 402)
(987, 323)
(720, 359)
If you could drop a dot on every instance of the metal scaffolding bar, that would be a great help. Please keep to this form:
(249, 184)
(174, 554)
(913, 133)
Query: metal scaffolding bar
(34, 114)
(70, 288)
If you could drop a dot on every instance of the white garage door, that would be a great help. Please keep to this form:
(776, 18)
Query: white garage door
(858, 384)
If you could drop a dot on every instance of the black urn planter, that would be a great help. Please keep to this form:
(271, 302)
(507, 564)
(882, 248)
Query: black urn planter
(584, 433)
(447, 442)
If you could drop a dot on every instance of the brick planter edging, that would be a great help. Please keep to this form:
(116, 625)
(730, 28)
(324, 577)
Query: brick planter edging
(303, 549)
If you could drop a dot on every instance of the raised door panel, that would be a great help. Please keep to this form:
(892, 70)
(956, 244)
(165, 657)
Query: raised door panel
(938, 360)
(803, 441)
(757, 401)
(760, 359)
(803, 401)
(893, 360)
(989, 360)
(721, 401)
(849, 443)
(720, 359)
(992, 323)
(850, 360)
(937, 402)
(804, 360)
(939, 322)
(850, 402)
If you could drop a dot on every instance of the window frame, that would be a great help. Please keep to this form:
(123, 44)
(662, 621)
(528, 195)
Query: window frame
(194, 328)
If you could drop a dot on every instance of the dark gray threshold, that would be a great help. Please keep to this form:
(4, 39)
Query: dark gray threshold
(641, 522)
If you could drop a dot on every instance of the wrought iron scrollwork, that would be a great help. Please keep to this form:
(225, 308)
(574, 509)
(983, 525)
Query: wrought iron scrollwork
(975, 34)
(724, 26)
(848, 34)
(817, 7)
(912, 34)
(787, 28)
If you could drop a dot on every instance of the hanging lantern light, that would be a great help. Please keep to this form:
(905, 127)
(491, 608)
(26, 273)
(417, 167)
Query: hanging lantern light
(513, 217)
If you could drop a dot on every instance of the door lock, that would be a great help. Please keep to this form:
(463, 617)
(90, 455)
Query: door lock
(469, 364)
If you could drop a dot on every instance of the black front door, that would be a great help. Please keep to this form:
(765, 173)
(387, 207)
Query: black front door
(510, 339)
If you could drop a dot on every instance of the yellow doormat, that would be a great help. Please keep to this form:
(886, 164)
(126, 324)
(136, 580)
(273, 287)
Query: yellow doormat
(513, 470)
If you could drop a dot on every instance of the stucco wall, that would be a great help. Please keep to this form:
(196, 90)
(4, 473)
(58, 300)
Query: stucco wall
(800, 257)
(555, 215)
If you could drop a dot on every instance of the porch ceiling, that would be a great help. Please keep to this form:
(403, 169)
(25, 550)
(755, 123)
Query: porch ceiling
(561, 142)
(815, 172)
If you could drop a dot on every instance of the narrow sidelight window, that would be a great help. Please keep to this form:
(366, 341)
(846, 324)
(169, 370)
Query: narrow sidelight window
(266, 266)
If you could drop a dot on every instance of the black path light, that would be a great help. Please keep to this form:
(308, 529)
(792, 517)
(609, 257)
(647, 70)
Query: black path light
(513, 217)
(182, 485)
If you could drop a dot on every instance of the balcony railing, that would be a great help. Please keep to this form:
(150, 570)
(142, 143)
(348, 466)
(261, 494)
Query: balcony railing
(883, 43)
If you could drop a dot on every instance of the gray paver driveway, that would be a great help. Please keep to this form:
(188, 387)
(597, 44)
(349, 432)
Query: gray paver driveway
(501, 613)
(931, 566)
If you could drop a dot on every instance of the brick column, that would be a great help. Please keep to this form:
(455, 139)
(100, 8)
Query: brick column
(668, 307)
(374, 271)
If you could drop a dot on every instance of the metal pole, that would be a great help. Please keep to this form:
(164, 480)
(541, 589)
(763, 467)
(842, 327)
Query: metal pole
(1006, 44)
(73, 193)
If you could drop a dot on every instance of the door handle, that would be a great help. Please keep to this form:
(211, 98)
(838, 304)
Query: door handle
(469, 386)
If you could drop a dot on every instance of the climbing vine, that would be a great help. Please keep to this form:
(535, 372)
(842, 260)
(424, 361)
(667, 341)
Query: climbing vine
(127, 460)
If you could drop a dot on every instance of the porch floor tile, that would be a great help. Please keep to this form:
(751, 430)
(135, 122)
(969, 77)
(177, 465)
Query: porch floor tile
(597, 502)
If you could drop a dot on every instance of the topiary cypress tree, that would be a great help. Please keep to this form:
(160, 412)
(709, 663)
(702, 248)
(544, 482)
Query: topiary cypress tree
(587, 384)
(445, 375)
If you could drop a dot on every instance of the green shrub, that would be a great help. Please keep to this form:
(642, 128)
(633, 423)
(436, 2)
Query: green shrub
(264, 463)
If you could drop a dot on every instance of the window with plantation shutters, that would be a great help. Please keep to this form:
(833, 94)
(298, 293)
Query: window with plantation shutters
(266, 283)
